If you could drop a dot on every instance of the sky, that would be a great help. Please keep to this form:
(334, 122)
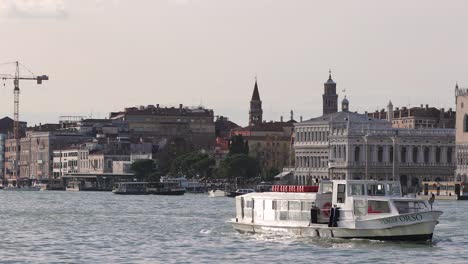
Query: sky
(102, 56)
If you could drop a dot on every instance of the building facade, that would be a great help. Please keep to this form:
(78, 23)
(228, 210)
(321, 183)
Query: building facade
(416, 117)
(31, 157)
(346, 145)
(269, 142)
(461, 98)
(196, 125)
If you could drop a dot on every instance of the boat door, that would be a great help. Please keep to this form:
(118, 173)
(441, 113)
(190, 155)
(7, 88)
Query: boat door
(339, 196)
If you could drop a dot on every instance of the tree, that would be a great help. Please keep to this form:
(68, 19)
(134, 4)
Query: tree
(237, 145)
(271, 173)
(176, 147)
(239, 165)
(192, 164)
(143, 168)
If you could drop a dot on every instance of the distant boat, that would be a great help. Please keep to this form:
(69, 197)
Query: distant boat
(217, 193)
(146, 188)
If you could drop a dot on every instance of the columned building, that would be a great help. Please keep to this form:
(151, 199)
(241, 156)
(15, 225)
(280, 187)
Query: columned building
(347, 145)
(461, 95)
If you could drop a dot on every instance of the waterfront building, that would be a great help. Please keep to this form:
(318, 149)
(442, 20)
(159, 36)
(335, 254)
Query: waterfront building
(65, 161)
(31, 157)
(461, 99)
(7, 124)
(347, 145)
(269, 142)
(223, 129)
(195, 125)
(416, 117)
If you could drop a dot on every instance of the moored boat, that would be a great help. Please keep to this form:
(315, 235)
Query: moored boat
(339, 208)
(216, 193)
(146, 188)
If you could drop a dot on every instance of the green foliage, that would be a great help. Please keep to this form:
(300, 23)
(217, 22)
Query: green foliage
(271, 173)
(175, 147)
(239, 165)
(237, 145)
(142, 168)
(192, 164)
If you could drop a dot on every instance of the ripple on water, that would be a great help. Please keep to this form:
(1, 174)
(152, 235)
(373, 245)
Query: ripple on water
(63, 227)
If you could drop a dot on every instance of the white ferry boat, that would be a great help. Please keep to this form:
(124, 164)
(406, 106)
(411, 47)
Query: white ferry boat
(339, 208)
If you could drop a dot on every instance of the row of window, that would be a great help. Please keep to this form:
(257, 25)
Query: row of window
(312, 136)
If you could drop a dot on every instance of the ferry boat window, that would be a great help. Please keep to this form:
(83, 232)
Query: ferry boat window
(283, 206)
(357, 189)
(341, 195)
(393, 189)
(274, 205)
(327, 187)
(248, 204)
(306, 206)
(360, 207)
(375, 190)
(294, 206)
(378, 207)
(405, 207)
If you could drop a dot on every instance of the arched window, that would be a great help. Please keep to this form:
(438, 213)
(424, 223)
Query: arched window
(403, 154)
(465, 123)
(449, 155)
(426, 155)
(380, 154)
(357, 152)
(415, 154)
(437, 155)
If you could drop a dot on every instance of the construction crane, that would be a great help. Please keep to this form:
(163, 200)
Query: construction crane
(16, 78)
(16, 125)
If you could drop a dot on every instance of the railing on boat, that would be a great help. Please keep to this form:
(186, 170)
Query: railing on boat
(294, 188)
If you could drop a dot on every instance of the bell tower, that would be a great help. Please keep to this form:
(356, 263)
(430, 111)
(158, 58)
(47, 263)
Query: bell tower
(256, 112)
(330, 98)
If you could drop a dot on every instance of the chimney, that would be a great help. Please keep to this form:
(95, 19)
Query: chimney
(281, 119)
(427, 107)
(180, 106)
(442, 112)
(422, 106)
(300, 118)
(157, 105)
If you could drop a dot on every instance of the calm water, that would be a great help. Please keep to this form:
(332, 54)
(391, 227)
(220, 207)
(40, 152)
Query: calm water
(88, 227)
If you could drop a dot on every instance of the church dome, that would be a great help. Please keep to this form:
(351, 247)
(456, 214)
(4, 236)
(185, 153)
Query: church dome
(345, 105)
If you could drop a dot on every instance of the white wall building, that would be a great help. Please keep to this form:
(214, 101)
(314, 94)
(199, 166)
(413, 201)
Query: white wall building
(346, 145)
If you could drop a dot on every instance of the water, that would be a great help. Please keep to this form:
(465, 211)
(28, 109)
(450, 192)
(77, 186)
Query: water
(93, 227)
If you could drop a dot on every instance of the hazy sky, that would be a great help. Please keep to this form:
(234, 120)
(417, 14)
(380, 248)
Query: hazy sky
(104, 55)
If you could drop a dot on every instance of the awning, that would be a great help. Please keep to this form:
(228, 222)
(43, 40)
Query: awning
(283, 174)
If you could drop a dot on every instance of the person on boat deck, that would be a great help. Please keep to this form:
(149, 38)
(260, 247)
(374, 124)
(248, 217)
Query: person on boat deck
(334, 216)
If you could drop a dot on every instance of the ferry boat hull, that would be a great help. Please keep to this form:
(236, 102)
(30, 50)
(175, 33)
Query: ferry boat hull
(338, 209)
(420, 231)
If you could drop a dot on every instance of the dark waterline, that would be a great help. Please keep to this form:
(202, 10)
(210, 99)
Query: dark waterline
(97, 227)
